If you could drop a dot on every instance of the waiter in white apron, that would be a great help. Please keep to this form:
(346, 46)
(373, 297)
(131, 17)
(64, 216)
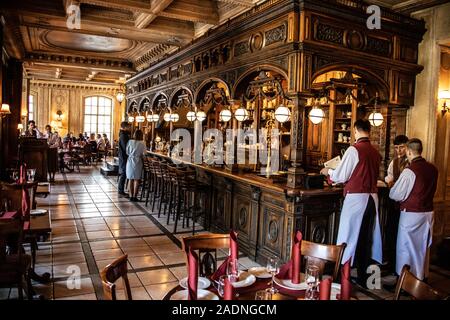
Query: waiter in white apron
(359, 225)
(415, 190)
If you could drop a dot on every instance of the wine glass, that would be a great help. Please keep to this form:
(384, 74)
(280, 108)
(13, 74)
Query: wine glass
(221, 285)
(232, 270)
(312, 280)
(30, 174)
(273, 267)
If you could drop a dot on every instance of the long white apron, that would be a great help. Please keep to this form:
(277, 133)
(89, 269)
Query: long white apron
(413, 242)
(350, 224)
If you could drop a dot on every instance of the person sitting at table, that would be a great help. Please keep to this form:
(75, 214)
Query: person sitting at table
(135, 151)
(107, 142)
(69, 138)
(100, 143)
(32, 130)
(81, 138)
(93, 143)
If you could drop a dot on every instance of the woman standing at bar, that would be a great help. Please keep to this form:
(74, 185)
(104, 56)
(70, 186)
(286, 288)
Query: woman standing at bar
(135, 151)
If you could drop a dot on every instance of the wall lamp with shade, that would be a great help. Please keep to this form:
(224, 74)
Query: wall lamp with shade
(444, 95)
(120, 95)
(376, 118)
(5, 110)
(316, 115)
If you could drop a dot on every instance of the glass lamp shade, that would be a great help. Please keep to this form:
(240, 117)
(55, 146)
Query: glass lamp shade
(149, 118)
(201, 116)
(282, 114)
(167, 117)
(19, 126)
(5, 109)
(225, 115)
(120, 96)
(376, 119)
(155, 117)
(174, 117)
(316, 115)
(191, 116)
(130, 119)
(140, 119)
(158, 139)
(241, 114)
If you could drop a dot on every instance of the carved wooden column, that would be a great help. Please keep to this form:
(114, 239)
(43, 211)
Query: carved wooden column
(296, 173)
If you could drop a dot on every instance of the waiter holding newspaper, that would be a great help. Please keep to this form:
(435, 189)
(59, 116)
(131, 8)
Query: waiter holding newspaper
(359, 224)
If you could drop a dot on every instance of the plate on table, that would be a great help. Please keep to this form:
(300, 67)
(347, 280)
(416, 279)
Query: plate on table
(245, 279)
(287, 284)
(260, 272)
(202, 283)
(201, 295)
(38, 212)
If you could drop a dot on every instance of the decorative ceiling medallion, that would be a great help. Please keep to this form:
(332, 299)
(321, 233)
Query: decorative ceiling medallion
(85, 42)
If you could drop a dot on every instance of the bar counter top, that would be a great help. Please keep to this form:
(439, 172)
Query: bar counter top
(258, 181)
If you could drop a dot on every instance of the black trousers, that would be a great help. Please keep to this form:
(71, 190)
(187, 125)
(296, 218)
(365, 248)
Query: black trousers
(363, 252)
(121, 184)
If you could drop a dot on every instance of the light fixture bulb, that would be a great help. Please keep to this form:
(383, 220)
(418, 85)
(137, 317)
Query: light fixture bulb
(282, 114)
(316, 115)
(241, 114)
(191, 116)
(201, 116)
(225, 115)
(376, 119)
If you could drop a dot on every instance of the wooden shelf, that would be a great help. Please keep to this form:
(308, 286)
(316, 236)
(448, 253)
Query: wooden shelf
(337, 142)
(340, 130)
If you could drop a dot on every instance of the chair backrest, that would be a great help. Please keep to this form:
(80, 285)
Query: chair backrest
(322, 253)
(111, 273)
(415, 287)
(11, 234)
(12, 194)
(206, 243)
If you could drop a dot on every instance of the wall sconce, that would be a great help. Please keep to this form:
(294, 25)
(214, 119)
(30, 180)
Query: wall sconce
(444, 95)
(120, 95)
(5, 110)
(20, 126)
(59, 115)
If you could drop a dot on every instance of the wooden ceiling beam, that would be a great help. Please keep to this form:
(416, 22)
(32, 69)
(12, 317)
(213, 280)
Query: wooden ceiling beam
(162, 30)
(144, 19)
(242, 3)
(193, 10)
(129, 5)
(79, 65)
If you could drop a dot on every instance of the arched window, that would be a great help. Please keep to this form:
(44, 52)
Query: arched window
(98, 115)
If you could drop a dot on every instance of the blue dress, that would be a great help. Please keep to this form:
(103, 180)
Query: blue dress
(135, 165)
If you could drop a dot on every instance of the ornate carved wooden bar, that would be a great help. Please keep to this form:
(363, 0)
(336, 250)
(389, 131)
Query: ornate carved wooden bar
(297, 40)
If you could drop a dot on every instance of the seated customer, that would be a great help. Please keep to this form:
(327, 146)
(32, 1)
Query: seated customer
(93, 143)
(53, 138)
(100, 143)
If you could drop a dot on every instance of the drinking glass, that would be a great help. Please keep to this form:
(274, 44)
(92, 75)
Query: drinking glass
(232, 270)
(221, 285)
(312, 280)
(30, 174)
(263, 295)
(273, 267)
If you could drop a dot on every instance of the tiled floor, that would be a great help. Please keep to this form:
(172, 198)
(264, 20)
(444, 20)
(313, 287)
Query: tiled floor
(92, 226)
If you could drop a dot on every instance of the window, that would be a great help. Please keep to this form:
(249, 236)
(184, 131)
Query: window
(31, 105)
(97, 115)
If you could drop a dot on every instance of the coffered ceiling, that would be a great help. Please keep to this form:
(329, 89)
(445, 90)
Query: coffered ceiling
(116, 38)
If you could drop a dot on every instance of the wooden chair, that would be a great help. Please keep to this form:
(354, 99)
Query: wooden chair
(111, 273)
(205, 244)
(416, 288)
(323, 253)
(14, 264)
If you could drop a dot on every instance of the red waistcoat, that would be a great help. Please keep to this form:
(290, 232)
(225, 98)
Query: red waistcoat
(365, 175)
(421, 197)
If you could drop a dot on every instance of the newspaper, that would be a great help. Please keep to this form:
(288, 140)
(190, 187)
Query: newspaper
(333, 163)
